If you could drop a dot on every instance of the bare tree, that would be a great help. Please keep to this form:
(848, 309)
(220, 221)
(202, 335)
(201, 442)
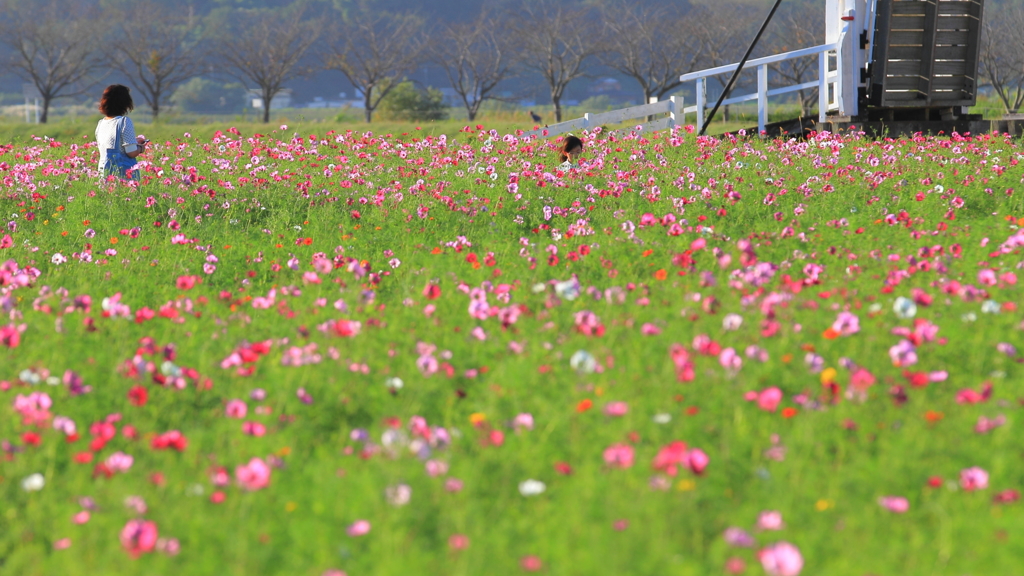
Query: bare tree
(725, 33)
(158, 48)
(652, 45)
(556, 42)
(374, 50)
(1001, 59)
(268, 48)
(54, 47)
(793, 31)
(476, 57)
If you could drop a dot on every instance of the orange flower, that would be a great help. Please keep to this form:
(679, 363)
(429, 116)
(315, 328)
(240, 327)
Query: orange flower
(789, 412)
(660, 274)
(308, 241)
(436, 250)
(933, 416)
(647, 253)
(807, 347)
(584, 405)
(113, 240)
(86, 222)
(831, 334)
(787, 358)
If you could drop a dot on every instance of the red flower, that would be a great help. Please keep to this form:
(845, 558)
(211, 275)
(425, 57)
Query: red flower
(563, 468)
(138, 396)
(31, 438)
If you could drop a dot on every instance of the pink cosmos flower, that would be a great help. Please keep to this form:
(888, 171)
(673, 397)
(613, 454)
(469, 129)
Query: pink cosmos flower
(616, 409)
(523, 421)
(139, 537)
(458, 542)
(358, 528)
(186, 282)
(897, 504)
(846, 324)
(770, 520)
(254, 475)
(236, 409)
(769, 399)
(781, 559)
(697, 460)
(119, 462)
(253, 428)
(670, 457)
(619, 456)
(649, 329)
(81, 518)
(973, 478)
(738, 537)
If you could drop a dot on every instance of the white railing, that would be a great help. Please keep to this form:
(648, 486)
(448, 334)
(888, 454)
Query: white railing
(836, 84)
(827, 78)
(672, 107)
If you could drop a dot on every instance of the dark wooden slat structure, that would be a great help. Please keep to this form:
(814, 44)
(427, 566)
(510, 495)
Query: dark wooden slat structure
(925, 54)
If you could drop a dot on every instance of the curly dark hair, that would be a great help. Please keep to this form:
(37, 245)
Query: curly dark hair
(116, 101)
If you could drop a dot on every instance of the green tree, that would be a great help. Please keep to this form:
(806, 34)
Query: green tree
(409, 103)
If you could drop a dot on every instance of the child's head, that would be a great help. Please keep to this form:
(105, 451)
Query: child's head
(571, 148)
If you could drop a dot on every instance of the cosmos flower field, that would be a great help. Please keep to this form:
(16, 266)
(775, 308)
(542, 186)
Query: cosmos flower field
(355, 353)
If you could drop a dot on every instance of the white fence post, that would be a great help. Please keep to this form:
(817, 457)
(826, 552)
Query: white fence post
(846, 62)
(675, 106)
(822, 86)
(702, 100)
(762, 97)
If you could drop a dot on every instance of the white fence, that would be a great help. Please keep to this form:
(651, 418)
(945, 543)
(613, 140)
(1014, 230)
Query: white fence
(837, 80)
(672, 106)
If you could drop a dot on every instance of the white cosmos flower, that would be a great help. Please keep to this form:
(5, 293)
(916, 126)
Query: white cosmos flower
(33, 483)
(732, 321)
(58, 259)
(990, 307)
(394, 384)
(398, 495)
(583, 362)
(904, 308)
(531, 487)
(662, 418)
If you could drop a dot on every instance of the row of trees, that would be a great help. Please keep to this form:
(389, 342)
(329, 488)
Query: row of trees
(64, 47)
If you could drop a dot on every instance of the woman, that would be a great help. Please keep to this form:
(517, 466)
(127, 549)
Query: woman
(115, 134)
(572, 148)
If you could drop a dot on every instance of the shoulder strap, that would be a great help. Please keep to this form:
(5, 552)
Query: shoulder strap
(118, 126)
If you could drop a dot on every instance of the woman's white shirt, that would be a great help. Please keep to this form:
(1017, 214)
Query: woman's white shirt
(106, 134)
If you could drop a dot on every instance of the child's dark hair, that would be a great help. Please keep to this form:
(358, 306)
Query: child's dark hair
(569, 143)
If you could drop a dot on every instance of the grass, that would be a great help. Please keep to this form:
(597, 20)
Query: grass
(785, 263)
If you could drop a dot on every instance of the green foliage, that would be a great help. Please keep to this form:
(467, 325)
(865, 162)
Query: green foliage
(207, 96)
(409, 103)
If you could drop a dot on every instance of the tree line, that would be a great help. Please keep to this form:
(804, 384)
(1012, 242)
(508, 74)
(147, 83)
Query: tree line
(66, 47)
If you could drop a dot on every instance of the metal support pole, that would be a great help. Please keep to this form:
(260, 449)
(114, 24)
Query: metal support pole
(739, 68)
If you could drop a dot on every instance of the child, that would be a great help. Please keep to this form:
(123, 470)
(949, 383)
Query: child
(572, 148)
